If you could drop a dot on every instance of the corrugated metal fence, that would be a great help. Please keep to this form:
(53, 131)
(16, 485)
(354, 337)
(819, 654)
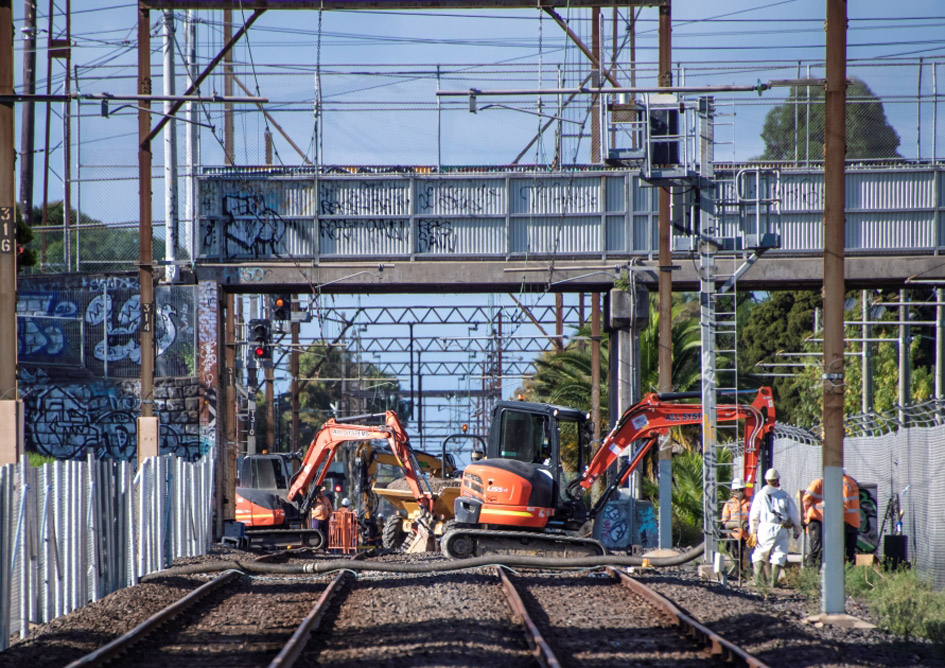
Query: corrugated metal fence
(73, 531)
(909, 463)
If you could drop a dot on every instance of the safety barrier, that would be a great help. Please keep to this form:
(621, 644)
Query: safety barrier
(74, 531)
(343, 531)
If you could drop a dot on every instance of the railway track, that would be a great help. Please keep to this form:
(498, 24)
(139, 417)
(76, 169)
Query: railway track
(482, 617)
(233, 620)
(611, 619)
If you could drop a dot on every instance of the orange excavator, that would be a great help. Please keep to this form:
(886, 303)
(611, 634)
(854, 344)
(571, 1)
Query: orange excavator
(521, 500)
(275, 522)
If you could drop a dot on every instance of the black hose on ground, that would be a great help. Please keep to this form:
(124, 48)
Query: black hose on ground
(329, 565)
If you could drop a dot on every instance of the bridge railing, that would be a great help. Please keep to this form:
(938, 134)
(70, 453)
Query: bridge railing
(72, 532)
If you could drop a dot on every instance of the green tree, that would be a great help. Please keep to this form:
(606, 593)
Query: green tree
(808, 386)
(25, 256)
(795, 129)
(780, 322)
(783, 322)
(98, 248)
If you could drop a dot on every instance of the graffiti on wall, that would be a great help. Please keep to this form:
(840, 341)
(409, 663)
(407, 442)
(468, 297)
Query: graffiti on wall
(79, 325)
(79, 355)
(69, 420)
(207, 368)
(868, 535)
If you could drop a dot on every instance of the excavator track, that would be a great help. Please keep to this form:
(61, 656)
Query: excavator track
(460, 543)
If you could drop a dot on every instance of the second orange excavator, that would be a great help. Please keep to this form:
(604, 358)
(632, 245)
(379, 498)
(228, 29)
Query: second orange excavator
(522, 499)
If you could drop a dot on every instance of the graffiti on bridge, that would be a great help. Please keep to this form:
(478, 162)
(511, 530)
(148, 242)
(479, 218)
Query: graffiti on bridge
(435, 236)
(337, 229)
(365, 198)
(459, 197)
(251, 228)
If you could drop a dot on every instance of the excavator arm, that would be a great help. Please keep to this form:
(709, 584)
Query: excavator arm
(655, 415)
(335, 433)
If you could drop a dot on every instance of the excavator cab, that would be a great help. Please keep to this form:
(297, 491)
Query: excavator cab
(547, 446)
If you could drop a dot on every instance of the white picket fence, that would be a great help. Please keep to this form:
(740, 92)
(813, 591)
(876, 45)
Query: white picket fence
(73, 531)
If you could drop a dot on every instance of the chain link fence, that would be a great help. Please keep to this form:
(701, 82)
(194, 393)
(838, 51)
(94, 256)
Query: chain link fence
(898, 460)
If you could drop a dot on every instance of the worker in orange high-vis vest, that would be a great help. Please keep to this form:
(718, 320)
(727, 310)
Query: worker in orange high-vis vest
(812, 503)
(851, 516)
(321, 512)
(812, 512)
(735, 519)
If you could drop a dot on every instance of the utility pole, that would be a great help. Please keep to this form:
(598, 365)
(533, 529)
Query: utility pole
(665, 356)
(66, 53)
(27, 132)
(170, 153)
(833, 373)
(294, 327)
(228, 88)
(10, 406)
(595, 364)
(597, 81)
(191, 136)
(230, 435)
(147, 424)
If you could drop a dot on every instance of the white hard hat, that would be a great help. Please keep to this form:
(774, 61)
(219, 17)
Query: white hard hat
(738, 484)
(345, 502)
(772, 474)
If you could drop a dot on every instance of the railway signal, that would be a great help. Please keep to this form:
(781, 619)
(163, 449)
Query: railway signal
(260, 342)
(280, 307)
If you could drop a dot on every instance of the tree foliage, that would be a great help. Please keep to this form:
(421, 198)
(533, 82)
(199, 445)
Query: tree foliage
(98, 248)
(25, 256)
(783, 322)
(779, 323)
(795, 129)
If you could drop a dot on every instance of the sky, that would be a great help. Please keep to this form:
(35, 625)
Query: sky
(379, 71)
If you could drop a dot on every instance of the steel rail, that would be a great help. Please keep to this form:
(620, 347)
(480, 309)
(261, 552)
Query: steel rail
(292, 650)
(540, 648)
(107, 653)
(717, 645)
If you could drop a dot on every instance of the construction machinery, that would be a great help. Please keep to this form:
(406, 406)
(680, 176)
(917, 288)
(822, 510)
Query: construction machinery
(274, 521)
(525, 499)
(403, 507)
(444, 482)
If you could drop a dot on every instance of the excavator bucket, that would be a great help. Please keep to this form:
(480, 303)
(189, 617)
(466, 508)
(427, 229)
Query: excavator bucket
(422, 539)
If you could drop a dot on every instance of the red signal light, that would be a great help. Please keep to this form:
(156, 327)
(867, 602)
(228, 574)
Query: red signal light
(260, 351)
(280, 302)
(337, 488)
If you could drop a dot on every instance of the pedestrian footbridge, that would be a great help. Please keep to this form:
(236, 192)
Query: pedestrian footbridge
(410, 229)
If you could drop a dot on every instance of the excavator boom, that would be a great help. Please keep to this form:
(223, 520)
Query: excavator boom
(653, 416)
(334, 433)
